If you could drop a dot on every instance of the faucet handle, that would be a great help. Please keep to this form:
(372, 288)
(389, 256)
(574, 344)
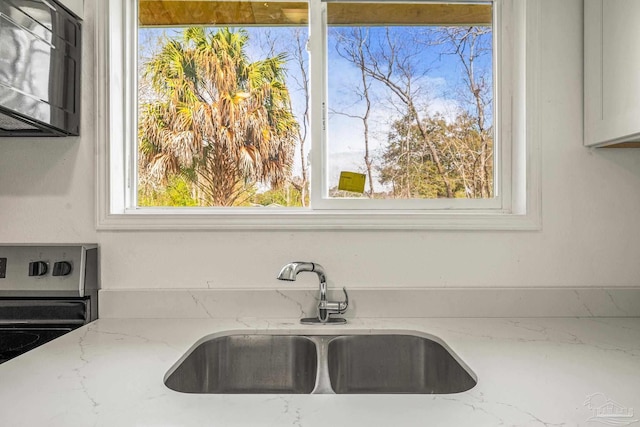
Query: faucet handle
(335, 307)
(342, 306)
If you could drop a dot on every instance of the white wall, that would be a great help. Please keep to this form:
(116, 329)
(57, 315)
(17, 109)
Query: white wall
(590, 235)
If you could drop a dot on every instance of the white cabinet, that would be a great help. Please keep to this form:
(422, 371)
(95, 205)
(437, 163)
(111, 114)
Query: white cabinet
(612, 72)
(75, 6)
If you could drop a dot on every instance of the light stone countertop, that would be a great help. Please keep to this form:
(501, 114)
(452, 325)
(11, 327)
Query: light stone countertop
(531, 372)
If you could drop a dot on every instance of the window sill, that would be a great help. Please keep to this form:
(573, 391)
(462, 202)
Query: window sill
(176, 219)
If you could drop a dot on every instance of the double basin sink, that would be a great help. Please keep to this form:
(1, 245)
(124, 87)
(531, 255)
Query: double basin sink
(350, 363)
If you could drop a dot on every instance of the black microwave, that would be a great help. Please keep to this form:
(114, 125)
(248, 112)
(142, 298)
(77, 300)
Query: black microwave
(40, 51)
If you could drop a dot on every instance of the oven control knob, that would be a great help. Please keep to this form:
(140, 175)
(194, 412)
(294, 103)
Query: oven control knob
(38, 268)
(62, 268)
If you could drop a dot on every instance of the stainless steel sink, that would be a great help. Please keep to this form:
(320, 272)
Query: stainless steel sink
(320, 364)
(394, 364)
(248, 364)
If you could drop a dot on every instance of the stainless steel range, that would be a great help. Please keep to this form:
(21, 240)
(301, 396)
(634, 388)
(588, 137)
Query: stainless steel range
(45, 292)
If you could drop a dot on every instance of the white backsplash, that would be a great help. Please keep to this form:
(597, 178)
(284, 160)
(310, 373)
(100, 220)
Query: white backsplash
(372, 303)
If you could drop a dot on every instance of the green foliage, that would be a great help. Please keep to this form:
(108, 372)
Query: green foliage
(285, 196)
(407, 163)
(177, 192)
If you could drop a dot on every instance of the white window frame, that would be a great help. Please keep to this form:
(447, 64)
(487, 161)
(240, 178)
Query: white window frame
(319, 85)
(516, 127)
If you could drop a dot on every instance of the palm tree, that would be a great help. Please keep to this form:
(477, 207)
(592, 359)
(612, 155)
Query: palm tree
(220, 120)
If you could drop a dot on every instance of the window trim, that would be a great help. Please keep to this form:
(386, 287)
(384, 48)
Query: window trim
(116, 167)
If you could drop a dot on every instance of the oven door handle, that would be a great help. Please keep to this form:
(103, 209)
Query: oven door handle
(40, 322)
(43, 311)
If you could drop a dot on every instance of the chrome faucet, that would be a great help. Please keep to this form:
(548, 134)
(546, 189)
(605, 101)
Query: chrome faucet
(325, 308)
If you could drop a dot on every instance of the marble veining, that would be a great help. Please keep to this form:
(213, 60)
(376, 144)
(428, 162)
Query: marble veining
(405, 303)
(531, 372)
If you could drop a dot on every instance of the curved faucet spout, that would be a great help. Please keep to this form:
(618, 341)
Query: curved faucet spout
(291, 270)
(325, 308)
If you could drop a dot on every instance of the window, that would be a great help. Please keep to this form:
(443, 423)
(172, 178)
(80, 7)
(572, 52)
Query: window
(410, 105)
(223, 118)
(317, 114)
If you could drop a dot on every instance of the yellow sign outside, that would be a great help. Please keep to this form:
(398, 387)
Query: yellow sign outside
(352, 181)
